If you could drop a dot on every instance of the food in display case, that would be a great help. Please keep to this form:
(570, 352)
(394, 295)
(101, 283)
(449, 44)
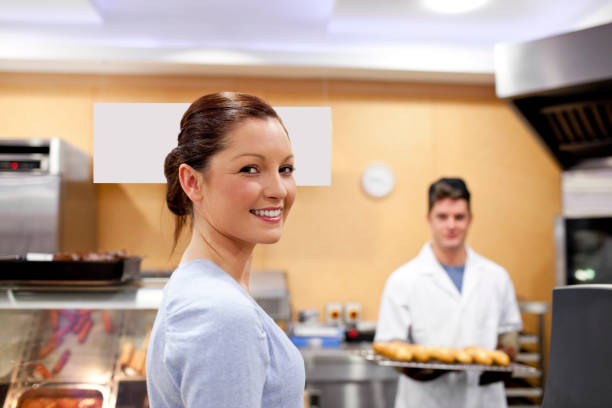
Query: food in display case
(69, 356)
(61, 398)
(133, 360)
(74, 346)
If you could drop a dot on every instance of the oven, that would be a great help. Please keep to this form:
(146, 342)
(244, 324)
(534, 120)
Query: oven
(47, 198)
(583, 234)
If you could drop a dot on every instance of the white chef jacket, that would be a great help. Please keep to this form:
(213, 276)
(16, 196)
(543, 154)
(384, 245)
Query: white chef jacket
(421, 304)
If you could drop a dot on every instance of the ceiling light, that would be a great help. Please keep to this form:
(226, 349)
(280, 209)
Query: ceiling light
(453, 6)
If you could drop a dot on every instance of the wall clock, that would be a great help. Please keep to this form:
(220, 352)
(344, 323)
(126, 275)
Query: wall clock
(378, 180)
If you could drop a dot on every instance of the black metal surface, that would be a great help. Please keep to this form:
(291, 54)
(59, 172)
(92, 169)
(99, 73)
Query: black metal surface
(580, 359)
(66, 272)
(23, 149)
(3, 391)
(132, 394)
(575, 123)
(588, 246)
(561, 87)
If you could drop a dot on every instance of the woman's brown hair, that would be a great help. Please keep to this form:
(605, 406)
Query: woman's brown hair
(204, 127)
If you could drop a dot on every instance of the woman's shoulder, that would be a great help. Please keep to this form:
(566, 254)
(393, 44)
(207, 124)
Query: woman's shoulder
(199, 292)
(201, 279)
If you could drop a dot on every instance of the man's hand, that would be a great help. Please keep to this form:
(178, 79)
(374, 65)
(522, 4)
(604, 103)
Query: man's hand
(489, 377)
(508, 343)
(422, 374)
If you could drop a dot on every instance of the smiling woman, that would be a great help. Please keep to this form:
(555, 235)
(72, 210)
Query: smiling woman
(231, 178)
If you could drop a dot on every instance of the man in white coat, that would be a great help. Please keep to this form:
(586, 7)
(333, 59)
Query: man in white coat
(450, 296)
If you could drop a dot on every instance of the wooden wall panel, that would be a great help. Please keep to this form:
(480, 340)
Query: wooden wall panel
(339, 244)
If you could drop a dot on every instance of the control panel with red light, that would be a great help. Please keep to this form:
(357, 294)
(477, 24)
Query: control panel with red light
(19, 165)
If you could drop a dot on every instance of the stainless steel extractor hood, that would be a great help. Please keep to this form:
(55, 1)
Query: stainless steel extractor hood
(562, 87)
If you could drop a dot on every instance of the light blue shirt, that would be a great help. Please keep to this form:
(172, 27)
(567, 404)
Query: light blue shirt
(455, 273)
(213, 346)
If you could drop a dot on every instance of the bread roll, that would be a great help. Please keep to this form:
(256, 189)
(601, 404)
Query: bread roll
(127, 351)
(443, 354)
(500, 358)
(482, 356)
(421, 353)
(471, 349)
(403, 352)
(463, 357)
(379, 347)
(386, 349)
(138, 361)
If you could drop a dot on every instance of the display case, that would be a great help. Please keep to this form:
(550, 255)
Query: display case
(76, 347)
(76, 344)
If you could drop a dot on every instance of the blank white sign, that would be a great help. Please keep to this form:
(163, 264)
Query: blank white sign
(131, 141)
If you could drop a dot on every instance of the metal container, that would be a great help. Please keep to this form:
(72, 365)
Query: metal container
(52, 272)
(342, 379)
(64, 395)
(270, 290)
(47, 199)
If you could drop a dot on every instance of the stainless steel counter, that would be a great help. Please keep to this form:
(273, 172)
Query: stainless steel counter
(145, 294)
(340, 379)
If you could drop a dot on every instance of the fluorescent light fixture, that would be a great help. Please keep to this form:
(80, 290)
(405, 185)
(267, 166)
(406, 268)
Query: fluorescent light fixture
(453, 6)
(50, 12)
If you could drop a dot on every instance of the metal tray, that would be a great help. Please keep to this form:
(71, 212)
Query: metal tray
(376, 358)
(20, 271)
(57, 392)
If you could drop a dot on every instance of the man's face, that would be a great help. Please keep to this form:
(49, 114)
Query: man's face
(449, 220)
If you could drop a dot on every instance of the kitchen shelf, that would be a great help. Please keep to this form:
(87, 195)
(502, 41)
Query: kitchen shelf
(534, 392)
(528, 357)
(525, 374)
(526, 390)
(527, 339)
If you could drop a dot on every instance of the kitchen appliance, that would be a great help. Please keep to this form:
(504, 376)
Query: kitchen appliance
(270, 291)
(308, 316)
(561, 86)
(345, 380)
(47, 199)
(583, 233)
(580, 358)
(316, 335)
(584, 250)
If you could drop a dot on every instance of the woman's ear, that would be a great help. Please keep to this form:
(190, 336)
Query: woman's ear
(191, 182)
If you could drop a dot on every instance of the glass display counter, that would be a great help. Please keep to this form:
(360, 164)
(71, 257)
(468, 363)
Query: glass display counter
(71, 347)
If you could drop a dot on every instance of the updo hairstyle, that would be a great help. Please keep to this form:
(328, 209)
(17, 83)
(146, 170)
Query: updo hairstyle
(203, 129)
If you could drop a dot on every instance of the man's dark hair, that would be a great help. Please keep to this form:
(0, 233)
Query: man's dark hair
(454, 188)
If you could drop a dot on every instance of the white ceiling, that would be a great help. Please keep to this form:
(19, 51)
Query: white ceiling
(383, 39)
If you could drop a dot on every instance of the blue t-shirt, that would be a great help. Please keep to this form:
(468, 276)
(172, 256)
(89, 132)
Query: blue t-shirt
(455, 273)
(213, 346)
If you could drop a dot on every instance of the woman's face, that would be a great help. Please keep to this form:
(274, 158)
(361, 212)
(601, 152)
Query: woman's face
(248, 187)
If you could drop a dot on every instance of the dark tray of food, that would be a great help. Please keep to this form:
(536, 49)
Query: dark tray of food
(90, 268)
